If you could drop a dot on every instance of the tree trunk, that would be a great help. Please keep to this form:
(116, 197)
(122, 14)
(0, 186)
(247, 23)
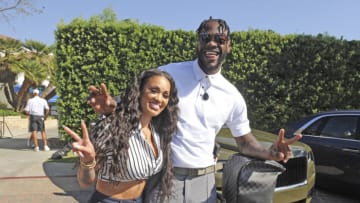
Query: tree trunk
(22, 94)
(8, 94)
(49, 92)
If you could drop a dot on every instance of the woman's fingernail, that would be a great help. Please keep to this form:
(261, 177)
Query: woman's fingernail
(76, 145)
(81, 154)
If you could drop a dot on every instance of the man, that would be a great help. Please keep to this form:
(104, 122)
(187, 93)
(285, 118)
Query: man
(207, 102)
(38, 109)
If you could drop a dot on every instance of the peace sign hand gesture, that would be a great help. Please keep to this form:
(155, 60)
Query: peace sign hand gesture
(82, 146)
(280, 150)
(100, 100)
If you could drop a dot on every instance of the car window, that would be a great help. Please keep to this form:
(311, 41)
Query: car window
(340, 127)
(314, 129)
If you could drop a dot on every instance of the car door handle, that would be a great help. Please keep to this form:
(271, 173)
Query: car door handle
(351, 150)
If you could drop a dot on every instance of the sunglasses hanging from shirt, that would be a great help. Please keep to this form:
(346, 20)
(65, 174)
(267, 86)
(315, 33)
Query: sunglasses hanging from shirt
(205, 85)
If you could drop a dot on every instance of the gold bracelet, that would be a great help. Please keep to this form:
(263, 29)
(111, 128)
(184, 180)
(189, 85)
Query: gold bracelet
(88, 165)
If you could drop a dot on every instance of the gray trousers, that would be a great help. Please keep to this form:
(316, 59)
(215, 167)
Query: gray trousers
(186, 189)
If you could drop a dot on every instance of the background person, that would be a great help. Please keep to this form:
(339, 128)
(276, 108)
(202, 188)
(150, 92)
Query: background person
(132, 144)
(38, 109)
(207, 102)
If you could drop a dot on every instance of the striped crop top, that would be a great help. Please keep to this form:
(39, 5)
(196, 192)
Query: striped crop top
(141, 163)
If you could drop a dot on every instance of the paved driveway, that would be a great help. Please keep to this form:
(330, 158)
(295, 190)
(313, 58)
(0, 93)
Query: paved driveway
(26, 176)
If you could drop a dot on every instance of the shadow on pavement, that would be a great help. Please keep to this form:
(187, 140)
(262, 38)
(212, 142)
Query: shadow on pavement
(63, 175)
(28, 176)
(20, 143)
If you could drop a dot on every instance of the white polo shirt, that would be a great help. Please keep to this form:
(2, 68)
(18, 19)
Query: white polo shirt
(36, 106)
(200, 120)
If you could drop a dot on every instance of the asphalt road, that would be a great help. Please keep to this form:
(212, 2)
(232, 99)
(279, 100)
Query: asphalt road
(327, 196)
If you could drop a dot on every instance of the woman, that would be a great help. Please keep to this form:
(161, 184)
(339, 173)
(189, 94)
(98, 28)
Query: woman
(131, 144)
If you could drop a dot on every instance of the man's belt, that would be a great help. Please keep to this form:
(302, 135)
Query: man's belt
(193, 171)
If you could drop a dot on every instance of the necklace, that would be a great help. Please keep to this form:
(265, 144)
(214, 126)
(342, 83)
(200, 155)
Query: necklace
(146, 132)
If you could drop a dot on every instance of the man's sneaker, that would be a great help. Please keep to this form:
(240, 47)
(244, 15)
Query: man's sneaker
(46, 148)
(36, 149)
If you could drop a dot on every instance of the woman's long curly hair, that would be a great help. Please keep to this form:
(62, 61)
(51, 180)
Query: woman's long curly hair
(115, 138)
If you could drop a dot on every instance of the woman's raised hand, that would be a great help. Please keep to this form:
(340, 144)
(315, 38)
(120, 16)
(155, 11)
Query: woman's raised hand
(100, 100)
(82, 145)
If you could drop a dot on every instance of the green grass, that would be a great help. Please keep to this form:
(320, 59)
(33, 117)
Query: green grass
(9, 112)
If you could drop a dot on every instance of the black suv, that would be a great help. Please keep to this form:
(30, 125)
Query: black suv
(334, 137)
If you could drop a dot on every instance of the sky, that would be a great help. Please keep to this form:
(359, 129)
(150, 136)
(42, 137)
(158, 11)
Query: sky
(338, 18)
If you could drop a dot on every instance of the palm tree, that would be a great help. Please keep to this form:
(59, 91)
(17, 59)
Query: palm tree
(8, 47)
(35, 60)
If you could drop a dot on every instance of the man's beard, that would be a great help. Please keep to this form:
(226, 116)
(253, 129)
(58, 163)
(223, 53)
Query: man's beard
(210, 67)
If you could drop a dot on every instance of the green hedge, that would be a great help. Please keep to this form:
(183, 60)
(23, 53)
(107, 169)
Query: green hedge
(281, 77)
